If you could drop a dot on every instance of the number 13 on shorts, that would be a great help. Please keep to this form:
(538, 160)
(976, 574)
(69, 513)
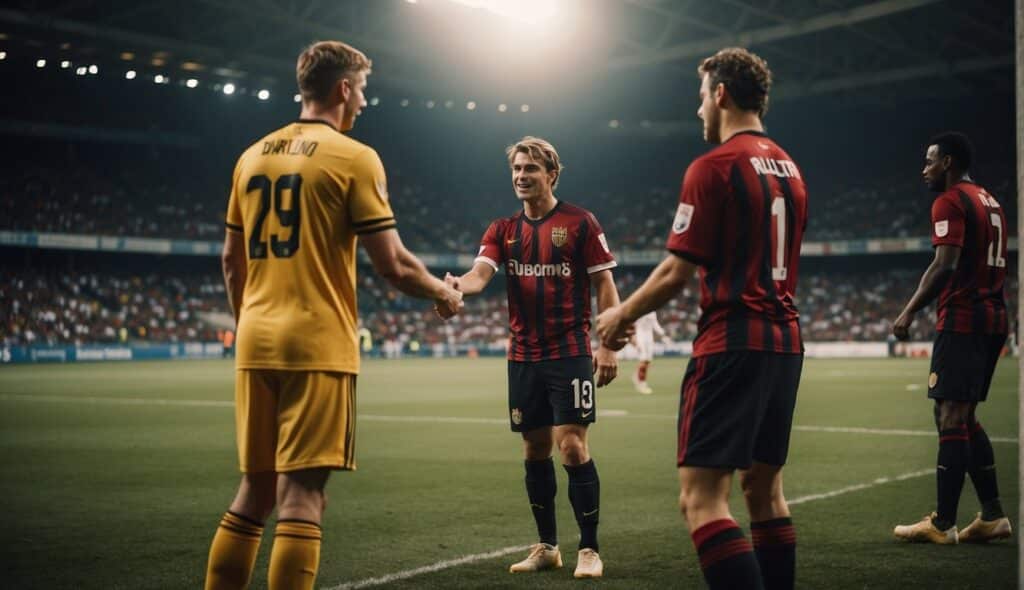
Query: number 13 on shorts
(582, 393)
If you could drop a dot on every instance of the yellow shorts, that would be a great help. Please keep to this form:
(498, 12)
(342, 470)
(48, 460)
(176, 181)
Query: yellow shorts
(291, 420)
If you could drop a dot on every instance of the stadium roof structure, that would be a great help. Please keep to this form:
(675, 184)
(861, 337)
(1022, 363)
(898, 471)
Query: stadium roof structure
(643, 60)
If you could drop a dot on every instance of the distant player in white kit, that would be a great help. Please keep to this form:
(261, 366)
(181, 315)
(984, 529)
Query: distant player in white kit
(646, 327)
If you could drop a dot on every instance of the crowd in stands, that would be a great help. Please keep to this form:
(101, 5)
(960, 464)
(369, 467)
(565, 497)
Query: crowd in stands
(156, 200)
(92, 307)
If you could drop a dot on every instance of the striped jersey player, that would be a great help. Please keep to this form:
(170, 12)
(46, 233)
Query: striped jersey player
(552, 253)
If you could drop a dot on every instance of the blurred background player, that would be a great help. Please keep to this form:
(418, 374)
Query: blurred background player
(299, 199)
(646, 327)
(552, 252)
(740, 220)
(967, 275)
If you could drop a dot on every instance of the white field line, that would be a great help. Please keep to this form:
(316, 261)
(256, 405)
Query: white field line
(466, 559)
(434, 567)
(887, 432)
(139, 401)
(859, 486)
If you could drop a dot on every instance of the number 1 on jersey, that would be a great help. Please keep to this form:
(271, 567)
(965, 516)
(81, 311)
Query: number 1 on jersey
(779, 225)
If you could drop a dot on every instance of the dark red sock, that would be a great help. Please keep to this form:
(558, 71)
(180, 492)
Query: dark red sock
(726, 557)
(775, 548)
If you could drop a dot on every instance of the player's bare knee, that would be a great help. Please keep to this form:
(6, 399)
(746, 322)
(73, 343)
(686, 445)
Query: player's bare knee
(573, 450)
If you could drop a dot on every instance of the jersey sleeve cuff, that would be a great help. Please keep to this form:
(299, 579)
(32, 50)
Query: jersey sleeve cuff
(690, 257)
(232, 227)
(486, 261)
(947, 242)
(599, 267)
(375, 229)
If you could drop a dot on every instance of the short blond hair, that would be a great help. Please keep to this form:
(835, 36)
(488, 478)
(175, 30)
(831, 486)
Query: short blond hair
(323, 63)
(540, 150)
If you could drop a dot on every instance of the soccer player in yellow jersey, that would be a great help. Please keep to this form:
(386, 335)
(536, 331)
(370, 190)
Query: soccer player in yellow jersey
(300, 197)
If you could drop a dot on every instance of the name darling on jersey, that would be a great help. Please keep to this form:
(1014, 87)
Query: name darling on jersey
(514, 267)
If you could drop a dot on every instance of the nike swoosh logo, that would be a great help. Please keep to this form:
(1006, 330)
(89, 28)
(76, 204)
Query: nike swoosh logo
(537, 506)
(587, 414)
(590, 513)
(511, 241)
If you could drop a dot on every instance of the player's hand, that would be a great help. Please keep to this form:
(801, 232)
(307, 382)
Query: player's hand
(613, 330)
(901, 327)
(452, 281)
(450, 303)
(606, 366)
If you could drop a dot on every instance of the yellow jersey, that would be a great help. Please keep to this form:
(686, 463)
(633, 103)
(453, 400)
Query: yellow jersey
(299, 197)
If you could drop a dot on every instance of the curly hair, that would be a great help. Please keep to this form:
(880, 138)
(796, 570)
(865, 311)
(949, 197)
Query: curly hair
(322, 64)
(957, 146)
(745, 75)
(541, 151)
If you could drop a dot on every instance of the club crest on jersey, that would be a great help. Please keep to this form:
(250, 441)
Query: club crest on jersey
(517, 416)
(559, 236)
(683, 216)
(942, 228)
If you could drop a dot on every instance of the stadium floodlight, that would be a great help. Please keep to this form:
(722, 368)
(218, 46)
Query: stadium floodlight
(40, 63)
(502, 107)
(228, 89)
(534, 12)
(525, 108)
(191, 82)
(263, 94)
(430, 104)
(374, 101)
(614, 123)
(404, 102)
(471, 105)
(449, 104)
(94, 69)
(3, 55)
(297, 98)
(158, 79)
(129, 75)
(65, 64)
(81, 70)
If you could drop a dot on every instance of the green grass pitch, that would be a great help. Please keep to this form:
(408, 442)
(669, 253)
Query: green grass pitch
(115, 476)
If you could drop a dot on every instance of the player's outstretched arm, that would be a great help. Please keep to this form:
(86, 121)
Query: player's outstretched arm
(233, 265)
(667, 279)
(407, 273)
(932, 282)
(475, 280)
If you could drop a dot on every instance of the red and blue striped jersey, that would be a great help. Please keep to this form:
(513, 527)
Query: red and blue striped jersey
(968, 217)
(741, 217)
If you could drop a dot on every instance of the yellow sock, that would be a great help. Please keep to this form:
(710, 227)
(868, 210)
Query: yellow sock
(233, 553)
(295, 557)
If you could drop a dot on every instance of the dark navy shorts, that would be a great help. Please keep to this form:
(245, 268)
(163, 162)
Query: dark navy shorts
(550, 393)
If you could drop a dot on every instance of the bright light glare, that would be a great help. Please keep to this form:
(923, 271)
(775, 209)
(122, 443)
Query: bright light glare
(3, 55)
(430, 104)
(40, 63)
(93, 69)
(191, 82)
(534, 12)
(158, 79)
(263, 94)
(129, 75)
(525, 108)
(229, 88)
(81, 70)
(471, 105)
(374, 101)
(502, 107)
(614, 123)
(405, 102)
(65, 64)
(298, 98)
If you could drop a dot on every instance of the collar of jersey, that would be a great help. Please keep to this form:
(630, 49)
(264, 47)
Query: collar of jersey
(321, 121)
(746, 132)
(545, 217)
